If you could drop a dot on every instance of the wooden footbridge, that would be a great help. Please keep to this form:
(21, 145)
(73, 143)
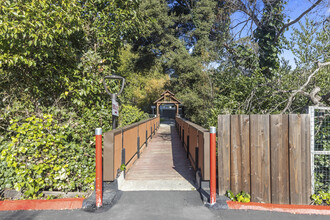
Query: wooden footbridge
(267, 156)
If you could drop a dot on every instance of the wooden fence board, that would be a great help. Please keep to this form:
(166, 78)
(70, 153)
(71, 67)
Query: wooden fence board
(260, 158)
(235, 152)
(295, 159)
(305, 155)
(279, 159)
(245, 151)
(267, 156)
(224, 153)
(206, 155)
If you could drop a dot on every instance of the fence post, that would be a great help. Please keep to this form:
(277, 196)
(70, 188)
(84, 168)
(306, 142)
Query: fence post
(98, 160)
(146, 138)
(213, 165)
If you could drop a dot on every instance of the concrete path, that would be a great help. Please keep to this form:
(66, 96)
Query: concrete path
(163, 164)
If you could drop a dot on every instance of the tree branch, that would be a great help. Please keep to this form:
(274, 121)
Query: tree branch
(297, 19)
(241, 6)
(300, 90)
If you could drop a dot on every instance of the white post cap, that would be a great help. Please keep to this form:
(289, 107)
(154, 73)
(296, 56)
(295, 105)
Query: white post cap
(213, 130)
(98, 131)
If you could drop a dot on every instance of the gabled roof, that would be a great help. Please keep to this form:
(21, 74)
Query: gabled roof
(167, 91)
(171, 95)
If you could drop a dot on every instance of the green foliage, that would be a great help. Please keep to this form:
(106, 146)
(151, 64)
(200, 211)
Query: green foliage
(266, 34)
(321, 198)
(123, 167)
(53, 56)
(130, 114)
(45, 157)
(240, 197)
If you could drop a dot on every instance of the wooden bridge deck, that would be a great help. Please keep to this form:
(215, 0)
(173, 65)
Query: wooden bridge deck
(162, 166)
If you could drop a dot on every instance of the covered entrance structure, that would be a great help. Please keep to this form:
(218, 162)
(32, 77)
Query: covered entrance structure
(167, 99)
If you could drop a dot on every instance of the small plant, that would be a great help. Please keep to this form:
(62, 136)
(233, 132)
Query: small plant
(240, 197)
(322, 198)
(123, 167)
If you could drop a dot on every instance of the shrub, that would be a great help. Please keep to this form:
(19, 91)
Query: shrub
(44, 158)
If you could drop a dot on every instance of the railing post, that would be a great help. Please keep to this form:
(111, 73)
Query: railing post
(138, 147)
(196, 158)
(188, 146)
(212, 165)
(98, 160)
(151, 132)
(146, 138)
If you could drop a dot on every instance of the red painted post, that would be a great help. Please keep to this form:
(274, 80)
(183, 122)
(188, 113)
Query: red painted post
(213, 165)
(98, 159)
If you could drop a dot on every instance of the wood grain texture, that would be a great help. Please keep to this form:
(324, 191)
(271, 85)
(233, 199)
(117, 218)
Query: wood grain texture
(295, 159)
(305, 161)
(245, 152)
(235, 155)
(223, 153)
(260, 158)
(279, 158)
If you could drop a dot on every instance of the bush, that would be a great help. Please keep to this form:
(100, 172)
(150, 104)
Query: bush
(45, 156)
(54, 148)
(130, 114)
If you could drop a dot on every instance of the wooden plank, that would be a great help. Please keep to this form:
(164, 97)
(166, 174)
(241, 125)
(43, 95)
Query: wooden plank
(245, 151)
(260, 158)
(308, 159)
(206, 154)
(295, 159)
(235, 155)
(108, 157)
(305, 155)
(118, 142)
(223, 153)
(279, 159)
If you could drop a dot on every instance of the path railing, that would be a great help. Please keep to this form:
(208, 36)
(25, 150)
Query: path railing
(122, 146)
(196, 141)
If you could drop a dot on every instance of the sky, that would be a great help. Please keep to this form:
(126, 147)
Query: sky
(293, 9)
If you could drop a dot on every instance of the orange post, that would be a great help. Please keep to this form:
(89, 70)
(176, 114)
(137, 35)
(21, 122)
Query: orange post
(213, 165)
(98, 159)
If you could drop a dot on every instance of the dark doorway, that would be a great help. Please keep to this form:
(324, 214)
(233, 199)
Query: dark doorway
(168, 111)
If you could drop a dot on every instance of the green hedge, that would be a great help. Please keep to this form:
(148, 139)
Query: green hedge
(54, 151)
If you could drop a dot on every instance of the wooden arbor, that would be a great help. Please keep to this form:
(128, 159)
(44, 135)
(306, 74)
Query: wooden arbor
(167, 97)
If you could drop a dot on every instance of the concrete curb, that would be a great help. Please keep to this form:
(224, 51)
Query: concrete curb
(293, 209)
(53, 204)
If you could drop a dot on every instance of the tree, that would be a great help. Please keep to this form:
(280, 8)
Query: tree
(267, 28)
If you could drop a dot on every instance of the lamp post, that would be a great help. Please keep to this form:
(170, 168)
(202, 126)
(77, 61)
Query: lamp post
(115, 105)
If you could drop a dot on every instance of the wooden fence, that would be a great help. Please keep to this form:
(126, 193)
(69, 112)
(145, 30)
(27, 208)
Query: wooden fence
(196, 141)
(267, 156)
(124, 145)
